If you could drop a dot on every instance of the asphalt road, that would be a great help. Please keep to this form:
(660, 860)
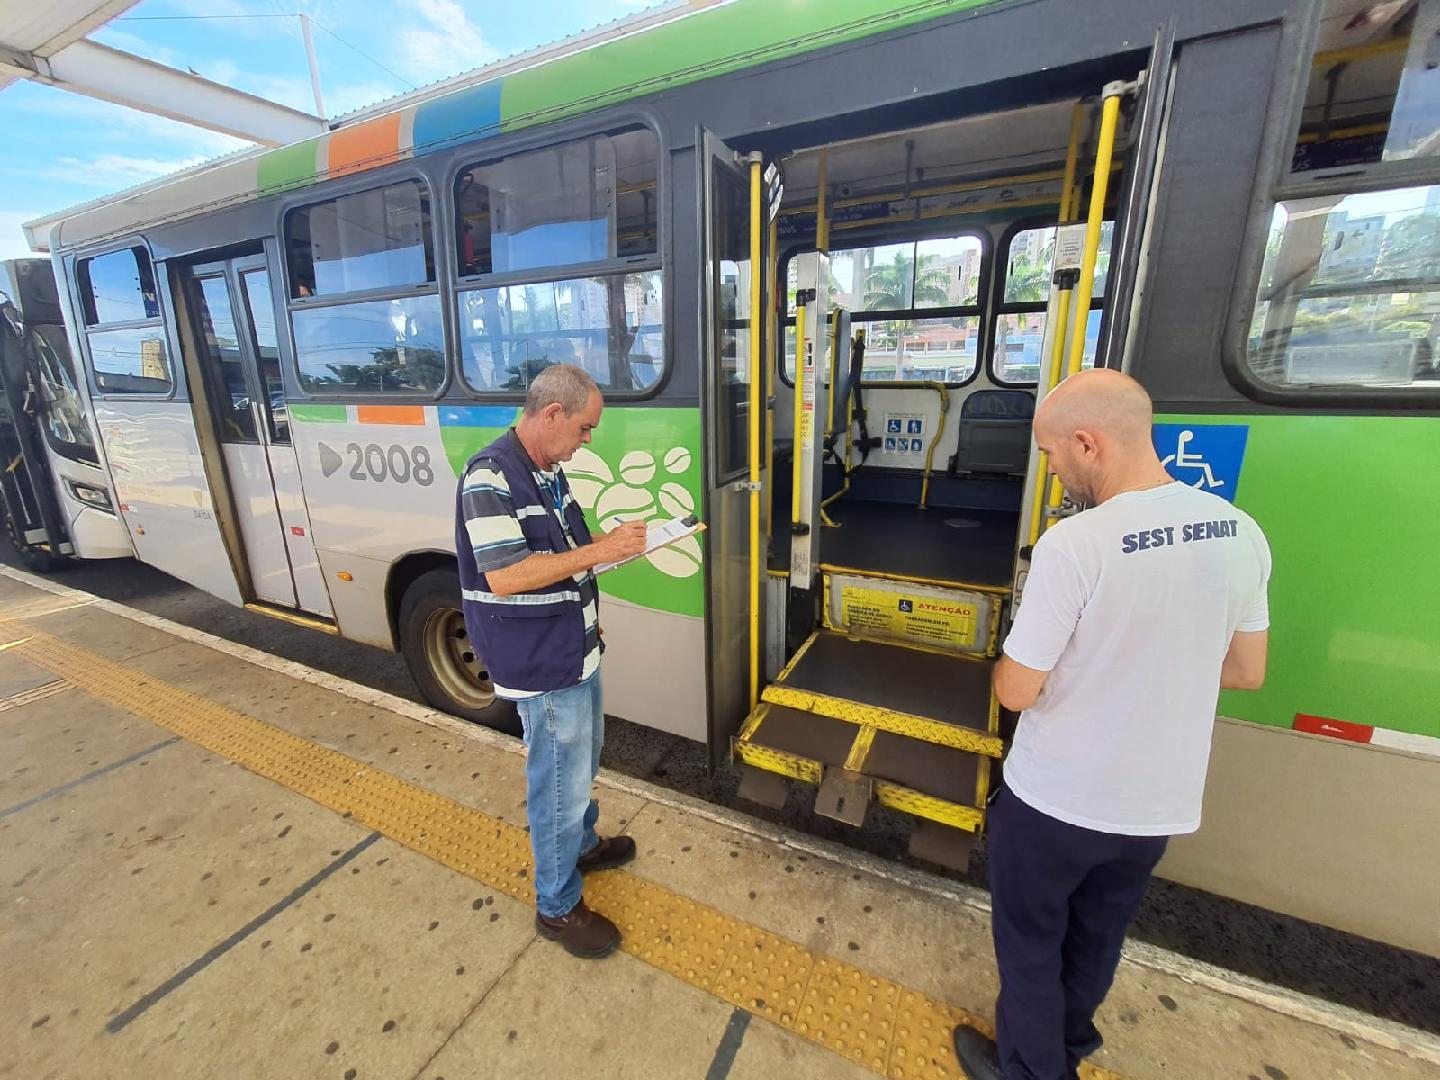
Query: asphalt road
(1313, 959)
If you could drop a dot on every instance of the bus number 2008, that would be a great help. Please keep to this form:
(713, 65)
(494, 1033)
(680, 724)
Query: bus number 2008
(402, 464)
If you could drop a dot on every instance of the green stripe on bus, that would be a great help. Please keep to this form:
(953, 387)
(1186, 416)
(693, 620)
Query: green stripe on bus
(320, 414)
(724, 39)
(1354, 591)
(288, 167)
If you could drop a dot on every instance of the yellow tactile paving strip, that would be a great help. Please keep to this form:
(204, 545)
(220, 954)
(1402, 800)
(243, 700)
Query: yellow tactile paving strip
(880, 1025)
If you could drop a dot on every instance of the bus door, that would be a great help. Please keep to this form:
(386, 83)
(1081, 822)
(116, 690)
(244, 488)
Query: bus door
(730, 346)
(1065, 343)
(231, 312)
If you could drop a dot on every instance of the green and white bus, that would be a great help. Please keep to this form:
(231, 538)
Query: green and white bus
(940, 207)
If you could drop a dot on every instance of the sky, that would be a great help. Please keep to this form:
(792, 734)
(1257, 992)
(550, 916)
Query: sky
(61, 149)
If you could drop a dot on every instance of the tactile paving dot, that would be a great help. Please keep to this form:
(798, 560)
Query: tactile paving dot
(875, 1023)
(766, 975)
(851, 1012)
(922, 1043)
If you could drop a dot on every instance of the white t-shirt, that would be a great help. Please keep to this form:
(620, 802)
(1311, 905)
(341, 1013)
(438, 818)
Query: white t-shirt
(1130, 606)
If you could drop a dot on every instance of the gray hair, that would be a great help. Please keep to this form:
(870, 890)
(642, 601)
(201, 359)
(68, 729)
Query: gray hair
(560, 384)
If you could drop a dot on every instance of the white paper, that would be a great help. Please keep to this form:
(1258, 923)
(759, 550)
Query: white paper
(657, 536)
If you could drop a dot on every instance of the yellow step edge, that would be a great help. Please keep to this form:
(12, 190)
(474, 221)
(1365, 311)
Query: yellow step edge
(911, 579)
(297, 618)
(895, 796)
(911, 726)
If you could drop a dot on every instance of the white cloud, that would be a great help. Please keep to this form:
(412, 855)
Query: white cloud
(115, 171)
(12, 240)
(447, 43)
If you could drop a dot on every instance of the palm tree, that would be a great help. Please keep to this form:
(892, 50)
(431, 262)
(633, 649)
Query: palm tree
(907, 282)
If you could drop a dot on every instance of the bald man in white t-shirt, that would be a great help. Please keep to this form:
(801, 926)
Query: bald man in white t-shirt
(1134, 615)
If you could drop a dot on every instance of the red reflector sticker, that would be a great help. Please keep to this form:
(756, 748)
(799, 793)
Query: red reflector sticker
(1336, 729)
(297, 530)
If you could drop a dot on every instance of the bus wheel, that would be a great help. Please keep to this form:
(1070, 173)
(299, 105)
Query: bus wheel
(441, 657)
(35, 556)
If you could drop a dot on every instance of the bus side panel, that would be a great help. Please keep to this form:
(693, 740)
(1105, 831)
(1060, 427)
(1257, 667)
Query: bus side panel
(1319, 828)
(159, 480)
(380, 484)
(1310, 824)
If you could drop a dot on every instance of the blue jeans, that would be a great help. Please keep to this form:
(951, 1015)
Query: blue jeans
(564, 730)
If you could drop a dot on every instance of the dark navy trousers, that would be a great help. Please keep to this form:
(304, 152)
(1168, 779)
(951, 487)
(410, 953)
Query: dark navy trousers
(1062, 898)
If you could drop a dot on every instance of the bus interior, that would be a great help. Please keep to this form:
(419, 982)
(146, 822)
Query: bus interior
(938, 244)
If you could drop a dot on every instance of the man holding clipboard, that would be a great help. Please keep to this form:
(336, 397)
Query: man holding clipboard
(527, 569)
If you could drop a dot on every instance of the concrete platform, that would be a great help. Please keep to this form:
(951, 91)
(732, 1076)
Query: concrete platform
(220, 864)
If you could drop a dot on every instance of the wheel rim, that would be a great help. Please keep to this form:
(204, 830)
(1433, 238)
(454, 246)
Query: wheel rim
(455, 663)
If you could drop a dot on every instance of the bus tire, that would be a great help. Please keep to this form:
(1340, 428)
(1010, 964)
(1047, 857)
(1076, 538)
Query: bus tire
(444, 665)
(35, 558)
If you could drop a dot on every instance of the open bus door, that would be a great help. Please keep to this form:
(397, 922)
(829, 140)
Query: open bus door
(28, 501)
(1145, 99)
(730, 193)
(233, 364)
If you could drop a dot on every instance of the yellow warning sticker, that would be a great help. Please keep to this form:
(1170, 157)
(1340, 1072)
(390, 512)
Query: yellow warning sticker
(925, 619)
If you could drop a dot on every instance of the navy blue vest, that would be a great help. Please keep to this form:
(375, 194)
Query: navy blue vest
(531, 641)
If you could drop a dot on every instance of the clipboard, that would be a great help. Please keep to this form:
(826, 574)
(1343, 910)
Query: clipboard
(658, 536)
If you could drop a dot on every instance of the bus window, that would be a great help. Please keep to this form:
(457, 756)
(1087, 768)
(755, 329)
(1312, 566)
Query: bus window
(63, 411)
(366, 243)
(590, 203)
(357, 243)
(1020, 319)
(122, 317)
(918, 302)
(1350, 292)
(118, 288)
(255, 287)
(223, 368)
(609, 325)
(583, 202)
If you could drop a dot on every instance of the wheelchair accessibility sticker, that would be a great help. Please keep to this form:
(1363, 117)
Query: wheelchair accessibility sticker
(1205, 456)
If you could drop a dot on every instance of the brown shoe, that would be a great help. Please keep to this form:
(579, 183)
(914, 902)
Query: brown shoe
(584, 933)
(610, 852)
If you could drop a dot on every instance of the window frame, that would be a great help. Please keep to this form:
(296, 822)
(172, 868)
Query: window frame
(1276, 183)
(978, 310)
(369, 180)
(158, 322)
(478, 156)
(999, 306)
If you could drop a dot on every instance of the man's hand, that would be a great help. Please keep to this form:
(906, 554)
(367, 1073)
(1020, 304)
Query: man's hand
(621, 542)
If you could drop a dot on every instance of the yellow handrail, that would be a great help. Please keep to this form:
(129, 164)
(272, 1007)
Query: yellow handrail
(1062, 312)
(753, 432)
(944, 392)
(858, 339)
(1085, 286)
(777, 352)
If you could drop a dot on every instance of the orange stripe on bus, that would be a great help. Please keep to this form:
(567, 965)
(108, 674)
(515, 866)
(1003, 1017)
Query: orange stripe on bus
(365, 146)
(390, 414)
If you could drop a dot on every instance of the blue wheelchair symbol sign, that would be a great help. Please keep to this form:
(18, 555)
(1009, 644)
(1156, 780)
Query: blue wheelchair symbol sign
(892, 426)
(1205, 456)
(907, 605)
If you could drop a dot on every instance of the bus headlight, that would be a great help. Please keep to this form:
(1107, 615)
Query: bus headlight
(90, 495)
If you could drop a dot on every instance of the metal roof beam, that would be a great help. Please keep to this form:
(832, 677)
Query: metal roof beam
(99, 71)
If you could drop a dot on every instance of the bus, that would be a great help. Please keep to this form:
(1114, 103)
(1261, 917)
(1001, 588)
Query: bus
(795, 246)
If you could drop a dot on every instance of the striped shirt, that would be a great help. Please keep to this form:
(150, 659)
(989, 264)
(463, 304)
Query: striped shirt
(493, 526)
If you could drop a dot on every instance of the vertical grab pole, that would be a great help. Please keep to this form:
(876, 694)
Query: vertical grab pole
(1062, 312)
(754, 404)
(1085, 287)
